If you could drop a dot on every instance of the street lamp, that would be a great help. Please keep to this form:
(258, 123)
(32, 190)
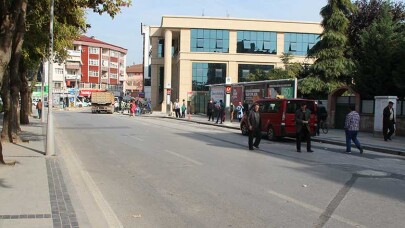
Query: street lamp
(50, 140)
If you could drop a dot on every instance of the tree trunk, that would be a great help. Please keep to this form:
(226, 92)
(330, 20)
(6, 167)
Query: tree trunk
(15, 82)
(25, 98)
(5, 96)
(9, 12)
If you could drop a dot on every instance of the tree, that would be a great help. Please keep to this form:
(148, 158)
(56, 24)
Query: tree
(331, 65)
(12, 14)
(367, 11)
(378, 44)
(374, 25)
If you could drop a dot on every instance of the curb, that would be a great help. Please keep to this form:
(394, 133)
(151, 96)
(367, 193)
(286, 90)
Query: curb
(314, 139)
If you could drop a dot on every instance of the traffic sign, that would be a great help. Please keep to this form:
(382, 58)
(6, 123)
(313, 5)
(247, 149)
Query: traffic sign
(228, 89)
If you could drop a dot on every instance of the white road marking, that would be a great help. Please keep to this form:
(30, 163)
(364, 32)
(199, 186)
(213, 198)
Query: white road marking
(137, 138)
(313, 208)
(184, 157)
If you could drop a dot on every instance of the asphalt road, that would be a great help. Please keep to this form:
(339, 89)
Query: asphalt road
(154, 172)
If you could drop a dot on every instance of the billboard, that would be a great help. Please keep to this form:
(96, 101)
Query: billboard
(218, 93)
(283, 88)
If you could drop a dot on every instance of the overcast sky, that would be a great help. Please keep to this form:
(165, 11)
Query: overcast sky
(125, 29)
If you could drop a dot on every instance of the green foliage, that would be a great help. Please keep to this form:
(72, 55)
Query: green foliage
(331, 63)
(380, 62)
(69, 23)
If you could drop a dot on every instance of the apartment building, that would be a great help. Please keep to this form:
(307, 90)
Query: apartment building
(134, 80)
(212, 50)
(103, 66)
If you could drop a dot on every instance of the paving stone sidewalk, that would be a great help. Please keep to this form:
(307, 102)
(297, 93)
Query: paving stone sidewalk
(33, 192)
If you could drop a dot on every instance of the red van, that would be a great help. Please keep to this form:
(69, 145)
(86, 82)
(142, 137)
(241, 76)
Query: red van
(278, 117)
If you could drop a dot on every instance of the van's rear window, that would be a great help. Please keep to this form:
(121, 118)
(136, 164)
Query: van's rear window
(293, 106)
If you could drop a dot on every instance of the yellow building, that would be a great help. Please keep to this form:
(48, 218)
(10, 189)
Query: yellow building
(212, 50)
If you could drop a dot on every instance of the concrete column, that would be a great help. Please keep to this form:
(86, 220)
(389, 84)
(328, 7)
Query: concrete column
(167, 71)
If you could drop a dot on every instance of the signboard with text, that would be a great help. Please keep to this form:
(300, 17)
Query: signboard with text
(217, 93)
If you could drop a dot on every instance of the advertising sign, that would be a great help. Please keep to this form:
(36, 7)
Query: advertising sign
(281, 88)
(253, 93)
(217, 93)
(236, 95)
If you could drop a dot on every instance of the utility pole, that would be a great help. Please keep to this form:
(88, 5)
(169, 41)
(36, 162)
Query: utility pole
(50, 140)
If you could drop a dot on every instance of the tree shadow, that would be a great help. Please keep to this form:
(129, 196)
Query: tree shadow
(2, 184)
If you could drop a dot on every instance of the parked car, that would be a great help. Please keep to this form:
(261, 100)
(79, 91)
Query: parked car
(278, 117)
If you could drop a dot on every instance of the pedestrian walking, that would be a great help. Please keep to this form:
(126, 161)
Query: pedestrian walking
(132, 107)
(352, 124)
(177, 108)
(239, 111)
(388, 121)
(183, 109)
(231, 112)
(39, 109)
(220, 108)
(302, 116)
(321, 115)
(210, 110)
(254, 125)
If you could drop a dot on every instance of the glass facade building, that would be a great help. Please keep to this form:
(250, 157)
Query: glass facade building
(299, 43)
(245, 69)
(206, 74)
(209, 40)
(257, 42)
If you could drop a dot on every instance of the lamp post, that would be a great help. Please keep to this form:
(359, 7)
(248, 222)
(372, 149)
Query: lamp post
(50, 140)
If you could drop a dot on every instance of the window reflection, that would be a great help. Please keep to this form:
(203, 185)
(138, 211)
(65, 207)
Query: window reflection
(209, 40)
(299, 43)
(257, 42)
(208, 73)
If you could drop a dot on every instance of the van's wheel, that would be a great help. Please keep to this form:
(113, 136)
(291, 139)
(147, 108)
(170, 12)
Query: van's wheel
(244, 129)
(271, 134)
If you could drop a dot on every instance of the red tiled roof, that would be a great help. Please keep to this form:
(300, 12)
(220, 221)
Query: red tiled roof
(84, 38)
(136, 68)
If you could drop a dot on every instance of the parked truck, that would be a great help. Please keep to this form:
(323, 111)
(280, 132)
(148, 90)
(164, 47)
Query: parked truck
(102, 102)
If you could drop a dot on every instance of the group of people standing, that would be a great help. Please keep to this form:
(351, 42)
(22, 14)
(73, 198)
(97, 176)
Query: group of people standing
(218, 110)
(177, 108)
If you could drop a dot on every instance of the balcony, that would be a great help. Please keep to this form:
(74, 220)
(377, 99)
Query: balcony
(72, 65)
(73, 53)
(72, 77)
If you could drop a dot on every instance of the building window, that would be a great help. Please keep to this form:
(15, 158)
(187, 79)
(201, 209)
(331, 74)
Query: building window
(93, 73)
(245, 69)
(114, 53)
(57, 85)
(209, 40)
(208, 73)
(94, 50)
(113, 75)
(93, 62)
(58, 70)
(257, 42)
(161, 48)
(113, 64)
(299, 43)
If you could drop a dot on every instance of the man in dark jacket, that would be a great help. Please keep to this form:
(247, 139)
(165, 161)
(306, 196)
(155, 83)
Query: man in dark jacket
(221, 110)
(210, 110)
(254, 125)
(302, 116)
(388, 121)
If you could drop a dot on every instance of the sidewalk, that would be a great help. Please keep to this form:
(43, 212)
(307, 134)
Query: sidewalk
(33, 192)
(334, 136)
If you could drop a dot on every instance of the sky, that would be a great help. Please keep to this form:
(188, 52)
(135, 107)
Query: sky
(125, 29)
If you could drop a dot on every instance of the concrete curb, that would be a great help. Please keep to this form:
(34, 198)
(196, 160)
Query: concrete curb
(386, 150)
